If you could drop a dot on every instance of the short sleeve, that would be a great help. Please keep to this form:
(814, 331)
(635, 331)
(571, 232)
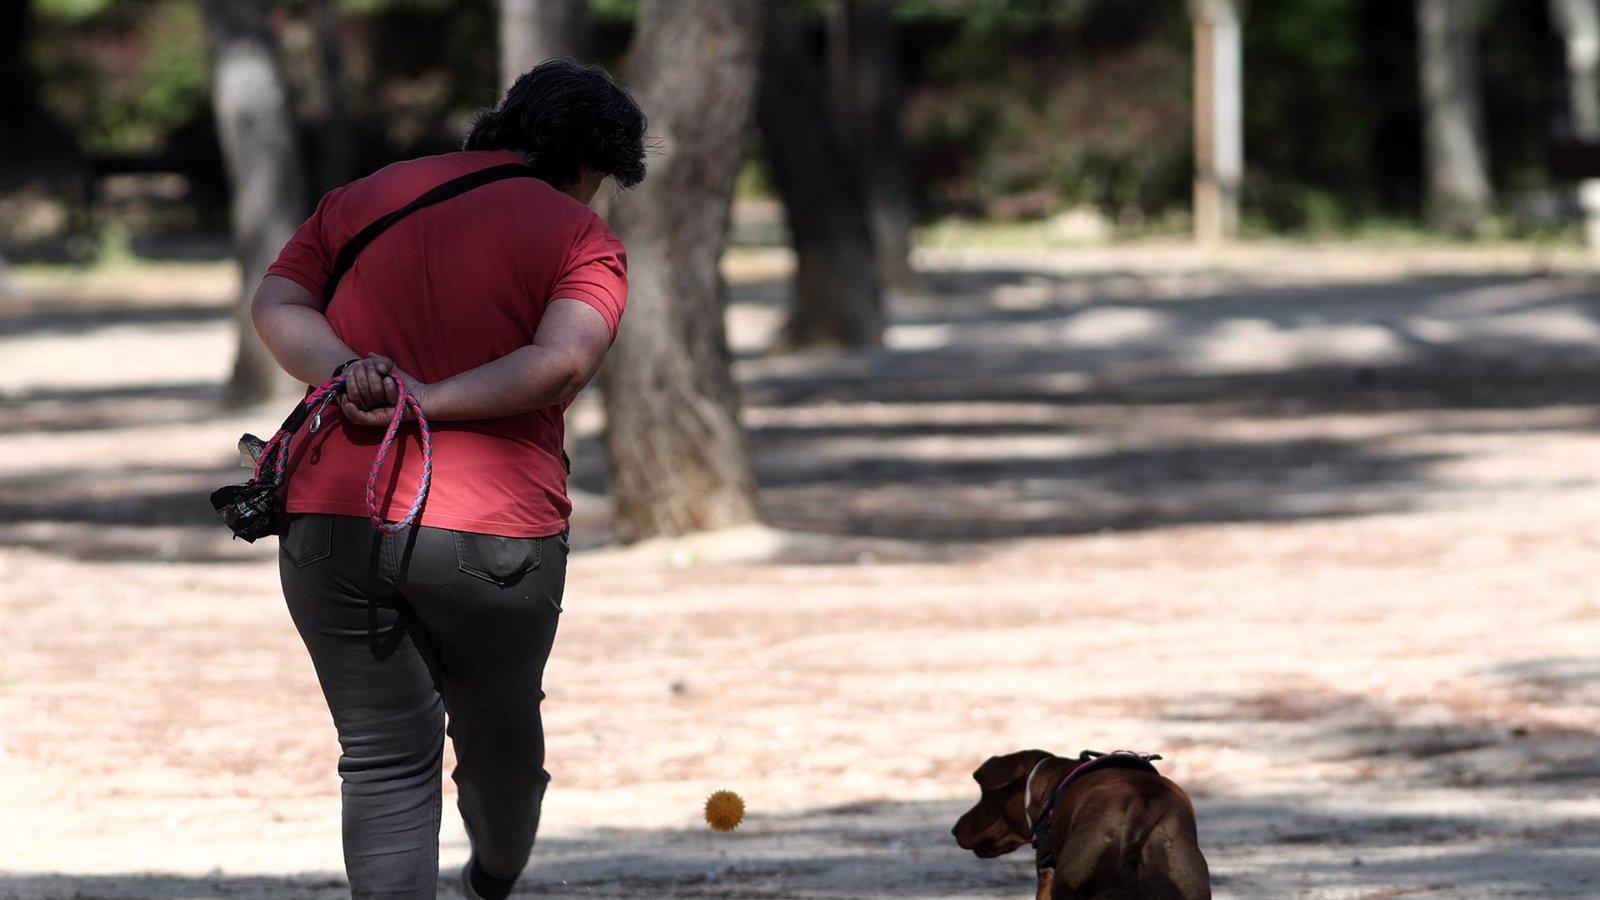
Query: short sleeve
(596, 273)
(307, 259)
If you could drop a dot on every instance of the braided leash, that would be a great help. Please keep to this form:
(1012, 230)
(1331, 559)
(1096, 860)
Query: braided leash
(406, 399)
(276, 451)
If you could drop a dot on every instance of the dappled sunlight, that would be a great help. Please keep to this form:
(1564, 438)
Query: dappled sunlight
(1300, 566)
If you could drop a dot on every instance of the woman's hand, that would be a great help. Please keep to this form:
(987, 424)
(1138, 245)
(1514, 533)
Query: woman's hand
(364, 382)
(375, 392)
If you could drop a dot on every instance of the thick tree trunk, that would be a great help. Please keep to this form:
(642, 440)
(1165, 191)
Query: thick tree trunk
(1458, 193)
(36, 153)
(27, 134)
(532, 31)
(336, 144)
(836, 300)
(677, 454)
(266, 176)
(1578, 22)
(864, 80)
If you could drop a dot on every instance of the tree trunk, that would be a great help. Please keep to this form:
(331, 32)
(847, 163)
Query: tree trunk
(1458, 193)
(532, 31)
(37, 151)
(336, 146)
(1578, 22)
(1218, 119)
(676, 452)
(864, 80)
(26, 132)
(266, 176)
(836, 299)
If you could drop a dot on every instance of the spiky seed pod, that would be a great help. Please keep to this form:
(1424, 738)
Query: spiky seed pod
(724, 810)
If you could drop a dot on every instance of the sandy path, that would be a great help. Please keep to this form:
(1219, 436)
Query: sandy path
(1323, 537)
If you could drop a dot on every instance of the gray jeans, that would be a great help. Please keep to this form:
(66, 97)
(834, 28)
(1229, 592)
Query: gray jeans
(405, 630)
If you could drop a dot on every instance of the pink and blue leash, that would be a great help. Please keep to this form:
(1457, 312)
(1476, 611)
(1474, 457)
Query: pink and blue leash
(277, 450)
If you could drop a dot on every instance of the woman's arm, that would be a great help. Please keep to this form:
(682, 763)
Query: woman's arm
(566, 351)
(290, 321)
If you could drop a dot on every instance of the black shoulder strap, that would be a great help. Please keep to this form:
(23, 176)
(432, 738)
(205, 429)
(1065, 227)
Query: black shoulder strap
(452, 188)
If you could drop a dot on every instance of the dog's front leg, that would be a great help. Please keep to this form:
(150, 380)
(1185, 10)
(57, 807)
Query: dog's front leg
(1047, 883)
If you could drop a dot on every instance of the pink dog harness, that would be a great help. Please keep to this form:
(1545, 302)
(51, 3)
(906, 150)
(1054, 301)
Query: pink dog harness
(1089, 762)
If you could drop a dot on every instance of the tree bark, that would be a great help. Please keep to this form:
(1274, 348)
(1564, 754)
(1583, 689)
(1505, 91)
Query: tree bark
(1458, 192)
(836, 301)
(675, 449)
(1578, 22)
(532, 31)
(27, 133)
(336, 147)
(36, 152)
(865, 81)
(266, 177)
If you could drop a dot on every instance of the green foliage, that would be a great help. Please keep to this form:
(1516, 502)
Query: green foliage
(986, 32)
(1332, 118)
(71, 10)
(418, 72)
(1326, 81)
(614, 11)
(121, 77)
(1017, 108)
(1027, 107)
(377, 7)
(113, 245)
(1519, 55)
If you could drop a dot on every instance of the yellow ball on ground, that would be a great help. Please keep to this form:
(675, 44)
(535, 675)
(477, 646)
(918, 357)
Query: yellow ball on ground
(724, 810)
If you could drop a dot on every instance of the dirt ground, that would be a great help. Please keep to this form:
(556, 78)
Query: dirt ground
(1317, 524)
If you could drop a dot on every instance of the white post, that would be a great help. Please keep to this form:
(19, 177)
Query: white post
(1579, 24)
(1218, 119)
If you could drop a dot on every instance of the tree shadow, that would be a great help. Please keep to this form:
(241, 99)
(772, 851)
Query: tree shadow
(1480, 743)
(851, 480)
(84, 319)
(846, 443)
(1258, 847)
(131, 885)
(134, 495)
(1120, 489)
(1013, 403)
(1440, 340)
(67, 410)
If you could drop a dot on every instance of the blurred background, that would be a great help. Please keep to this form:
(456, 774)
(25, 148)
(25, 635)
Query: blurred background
(1211, 378)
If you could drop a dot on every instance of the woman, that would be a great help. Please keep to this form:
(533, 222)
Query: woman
(494, 307)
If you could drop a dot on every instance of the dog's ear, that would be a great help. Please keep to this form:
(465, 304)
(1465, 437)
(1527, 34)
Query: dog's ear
(999, 771)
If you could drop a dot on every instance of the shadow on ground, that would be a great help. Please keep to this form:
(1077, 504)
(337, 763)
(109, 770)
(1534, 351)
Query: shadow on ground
(92, 318)
(1258, 848)
(1013, 403)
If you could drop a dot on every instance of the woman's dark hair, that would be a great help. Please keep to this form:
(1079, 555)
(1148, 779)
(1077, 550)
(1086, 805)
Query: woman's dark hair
(566, 117)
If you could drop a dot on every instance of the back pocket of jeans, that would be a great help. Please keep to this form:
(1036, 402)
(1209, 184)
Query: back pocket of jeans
(309, 539)
(495, 559)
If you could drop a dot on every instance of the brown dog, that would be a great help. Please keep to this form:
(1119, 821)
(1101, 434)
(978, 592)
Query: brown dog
(1113, 829)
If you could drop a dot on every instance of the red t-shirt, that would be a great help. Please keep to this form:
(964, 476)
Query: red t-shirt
(445, 290)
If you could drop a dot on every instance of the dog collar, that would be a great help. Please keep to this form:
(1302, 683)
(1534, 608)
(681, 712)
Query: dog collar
(1027, 790)
(1089, 761)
